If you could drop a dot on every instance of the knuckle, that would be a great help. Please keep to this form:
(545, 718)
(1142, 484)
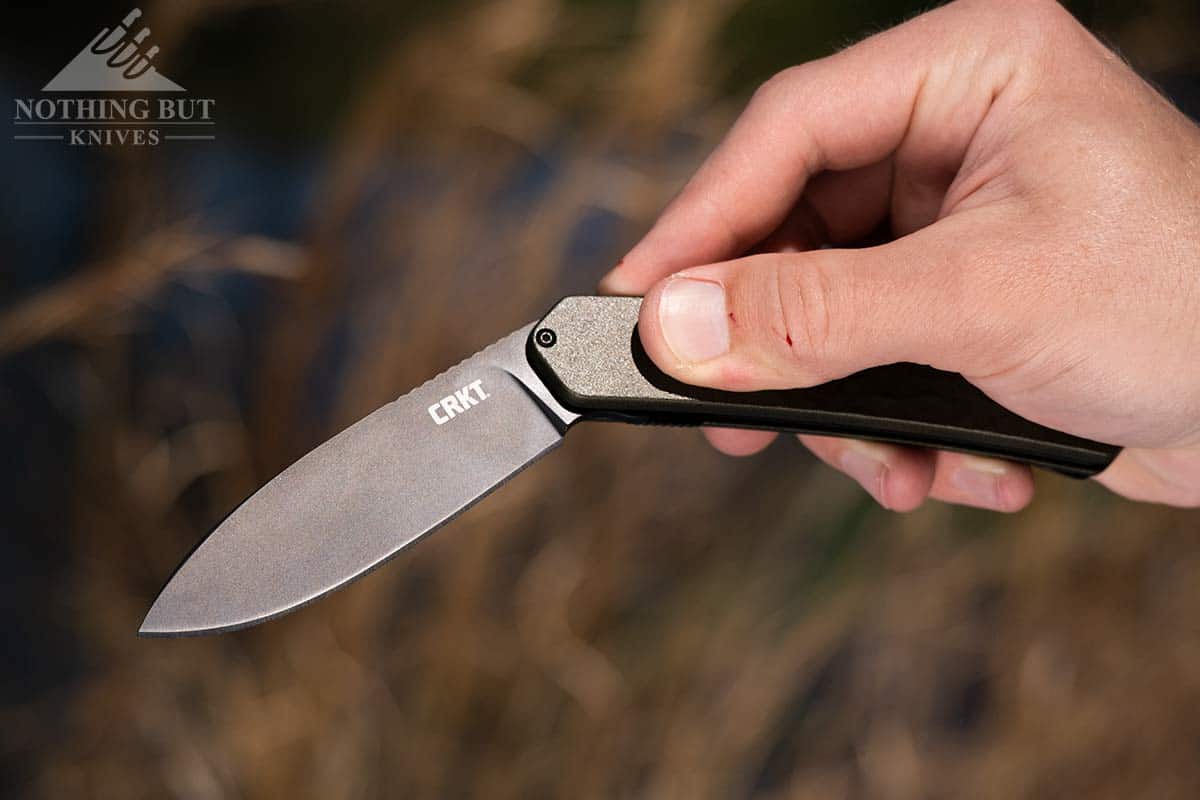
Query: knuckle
(1051, 11)
(804, 299)
(1030, 27)
(719, 219)
(1002, 11)
(779, 86)
(1042, 25)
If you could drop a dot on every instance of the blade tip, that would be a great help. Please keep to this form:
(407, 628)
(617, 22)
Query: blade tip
(159, 624)
(154, 628)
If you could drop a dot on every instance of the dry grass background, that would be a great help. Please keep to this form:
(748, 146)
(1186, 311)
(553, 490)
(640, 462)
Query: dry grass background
(637, 616)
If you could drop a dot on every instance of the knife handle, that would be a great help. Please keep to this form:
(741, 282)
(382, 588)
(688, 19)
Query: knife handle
(588, 352)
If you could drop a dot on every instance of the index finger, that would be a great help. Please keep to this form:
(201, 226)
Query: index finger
(843, 112)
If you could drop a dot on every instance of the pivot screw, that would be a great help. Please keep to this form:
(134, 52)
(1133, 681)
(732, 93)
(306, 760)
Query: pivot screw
(545, 337)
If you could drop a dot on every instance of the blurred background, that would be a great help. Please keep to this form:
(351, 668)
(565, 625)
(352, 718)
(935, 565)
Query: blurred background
(637, 616)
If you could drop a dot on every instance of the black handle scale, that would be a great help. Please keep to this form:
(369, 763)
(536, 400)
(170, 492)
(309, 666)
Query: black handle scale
(588, 352)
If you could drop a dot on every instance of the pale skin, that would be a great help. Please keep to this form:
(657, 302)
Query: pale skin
(1045, 204)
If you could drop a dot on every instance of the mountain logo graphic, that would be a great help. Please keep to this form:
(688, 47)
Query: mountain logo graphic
(114, 62)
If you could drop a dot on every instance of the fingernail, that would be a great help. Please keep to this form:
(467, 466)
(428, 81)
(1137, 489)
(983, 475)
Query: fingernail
(979, 479)
(867, 464)
(692, 315)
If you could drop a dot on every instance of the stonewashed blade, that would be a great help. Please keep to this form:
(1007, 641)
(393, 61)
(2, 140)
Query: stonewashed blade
(365, 494)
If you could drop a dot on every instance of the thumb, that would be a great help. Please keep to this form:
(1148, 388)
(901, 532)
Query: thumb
(786, 320)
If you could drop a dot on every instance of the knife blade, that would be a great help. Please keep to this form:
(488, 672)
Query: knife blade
(409, 467)
(356, 500)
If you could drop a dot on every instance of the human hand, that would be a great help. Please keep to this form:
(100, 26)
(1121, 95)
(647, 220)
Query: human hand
(1046, 208)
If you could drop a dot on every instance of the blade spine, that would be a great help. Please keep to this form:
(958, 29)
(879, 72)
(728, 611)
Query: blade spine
(473, 356)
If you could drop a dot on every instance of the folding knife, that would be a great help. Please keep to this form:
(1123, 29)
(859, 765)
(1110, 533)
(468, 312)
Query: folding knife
(409, 467)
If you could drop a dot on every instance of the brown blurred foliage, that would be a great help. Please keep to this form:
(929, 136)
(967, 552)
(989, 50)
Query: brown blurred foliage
(636, 616)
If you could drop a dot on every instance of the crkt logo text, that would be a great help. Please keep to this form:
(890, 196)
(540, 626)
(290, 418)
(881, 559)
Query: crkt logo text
(460, 402)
